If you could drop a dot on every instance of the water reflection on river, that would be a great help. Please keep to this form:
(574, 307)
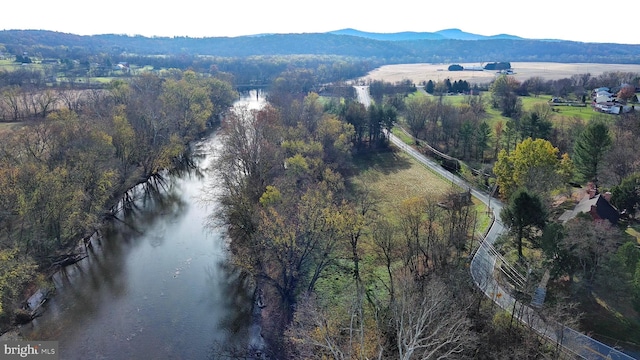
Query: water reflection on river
(156, 286)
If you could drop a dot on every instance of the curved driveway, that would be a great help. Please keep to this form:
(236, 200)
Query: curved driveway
(483, 264)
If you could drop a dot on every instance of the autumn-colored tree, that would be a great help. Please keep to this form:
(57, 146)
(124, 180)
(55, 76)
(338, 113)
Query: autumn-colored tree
(15, 271)
(221, 94)
(626, 92)
(295, 243)
(186, 104)
(504, 97)
(335, 137)
(124, 141)
(534, 165)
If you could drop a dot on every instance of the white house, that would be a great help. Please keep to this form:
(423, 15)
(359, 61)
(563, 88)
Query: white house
(603, 99)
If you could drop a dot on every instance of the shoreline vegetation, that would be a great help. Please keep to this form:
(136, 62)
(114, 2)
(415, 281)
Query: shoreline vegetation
(348, 242)
(82, 164)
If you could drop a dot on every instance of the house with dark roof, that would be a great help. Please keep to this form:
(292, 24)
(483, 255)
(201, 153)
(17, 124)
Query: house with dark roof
(597, 205)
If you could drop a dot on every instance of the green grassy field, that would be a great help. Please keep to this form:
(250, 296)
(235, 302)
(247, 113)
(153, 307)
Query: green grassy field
(402, 135)
(585, 113)
(492, 116)
(395, 176)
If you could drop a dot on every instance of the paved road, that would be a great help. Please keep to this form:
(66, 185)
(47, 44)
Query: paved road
(483, 265)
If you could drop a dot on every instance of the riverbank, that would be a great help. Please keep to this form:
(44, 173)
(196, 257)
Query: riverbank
(11, 335)
(156, 283)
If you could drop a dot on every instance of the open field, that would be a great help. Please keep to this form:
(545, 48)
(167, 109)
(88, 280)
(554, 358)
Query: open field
(396, 177)
(523, 70)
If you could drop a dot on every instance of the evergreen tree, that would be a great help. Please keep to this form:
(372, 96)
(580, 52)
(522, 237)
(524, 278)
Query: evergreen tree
(524, 213)
(429, 87)
(590, 148)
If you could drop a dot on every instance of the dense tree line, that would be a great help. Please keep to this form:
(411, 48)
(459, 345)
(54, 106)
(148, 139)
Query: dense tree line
(537, 157)
(497, 66)
(446, 86)
(585, 253)
(61, 174)
(243, 72)
(22, 77)
(456, 130)
(339, 278)
(379, 89)
(51, 44)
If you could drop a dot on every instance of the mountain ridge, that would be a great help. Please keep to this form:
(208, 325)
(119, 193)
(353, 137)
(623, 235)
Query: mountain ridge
(445, 46)
(445, 34)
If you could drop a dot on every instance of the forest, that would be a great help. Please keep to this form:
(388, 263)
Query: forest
(65, 169)
(54, 45)
(344, 276)
(355, 279)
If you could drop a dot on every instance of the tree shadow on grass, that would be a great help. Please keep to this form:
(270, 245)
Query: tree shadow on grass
(383, 161)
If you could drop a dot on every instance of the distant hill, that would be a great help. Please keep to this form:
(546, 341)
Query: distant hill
(399, 36)
(445, 46)
(448, 34)
(457, 34)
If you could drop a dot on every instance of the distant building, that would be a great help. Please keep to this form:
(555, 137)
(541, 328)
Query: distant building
(597, 90)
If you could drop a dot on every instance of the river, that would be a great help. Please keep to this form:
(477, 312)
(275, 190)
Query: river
(157, 284)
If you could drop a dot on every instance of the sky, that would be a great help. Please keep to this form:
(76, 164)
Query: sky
(541, 19)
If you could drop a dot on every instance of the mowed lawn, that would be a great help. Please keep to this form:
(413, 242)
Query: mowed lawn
(559, 116)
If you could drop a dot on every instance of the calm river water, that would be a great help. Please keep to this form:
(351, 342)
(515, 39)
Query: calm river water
(157, 285)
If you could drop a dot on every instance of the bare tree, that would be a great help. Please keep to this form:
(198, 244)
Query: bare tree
(535, 85)
(11, 105)
(429, 324)
(384, 238)
(622, 159)
(417, 114)
(319, 331)
(44, 102)
(70, 98)
(591, 243)
(313, 335)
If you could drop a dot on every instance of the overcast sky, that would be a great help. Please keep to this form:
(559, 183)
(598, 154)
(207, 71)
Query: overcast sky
(541, 19)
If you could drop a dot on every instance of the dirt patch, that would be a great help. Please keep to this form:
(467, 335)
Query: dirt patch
(418, 73)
